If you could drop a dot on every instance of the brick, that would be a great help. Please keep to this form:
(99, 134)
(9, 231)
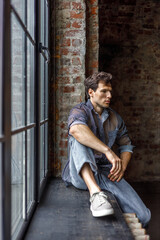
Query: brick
(76, 15)
(77, 80)
(95, 64)
(94, 10)
(63, 71)
(65, 61)
(72, 33)
(63, 153)
(128, 2)
(76, 42)
(68, 89)
(63, 5)
(77, 6)
(63, 144)
(77, 24)
(64, 135)
(64, 51)
(65, 42)
(92, 2)
(76, 61)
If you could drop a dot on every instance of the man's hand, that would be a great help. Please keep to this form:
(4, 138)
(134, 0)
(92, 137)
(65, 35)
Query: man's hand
(116, 164)
(116, 177)
(125, 156)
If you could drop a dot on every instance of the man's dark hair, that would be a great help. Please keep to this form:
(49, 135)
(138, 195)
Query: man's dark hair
(93, 80)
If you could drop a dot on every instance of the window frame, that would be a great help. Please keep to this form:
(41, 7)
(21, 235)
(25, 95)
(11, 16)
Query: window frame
(5, 138)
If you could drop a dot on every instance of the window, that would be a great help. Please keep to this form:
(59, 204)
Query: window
(1, 107)
(24, 140)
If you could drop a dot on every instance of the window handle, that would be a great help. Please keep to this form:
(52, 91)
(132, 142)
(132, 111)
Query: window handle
(43, 48)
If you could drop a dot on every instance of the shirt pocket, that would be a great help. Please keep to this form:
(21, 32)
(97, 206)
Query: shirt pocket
(112, 137)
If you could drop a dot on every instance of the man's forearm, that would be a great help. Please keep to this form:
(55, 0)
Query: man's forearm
(125, 157)
(85, 136)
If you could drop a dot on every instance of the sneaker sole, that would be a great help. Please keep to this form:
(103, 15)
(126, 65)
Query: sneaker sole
(102, 212)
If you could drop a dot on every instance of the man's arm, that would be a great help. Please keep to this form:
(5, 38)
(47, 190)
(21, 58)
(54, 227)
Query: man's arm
(125, 149)
(85, 136)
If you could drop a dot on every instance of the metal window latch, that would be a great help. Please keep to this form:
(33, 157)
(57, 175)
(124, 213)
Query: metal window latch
(42, 49)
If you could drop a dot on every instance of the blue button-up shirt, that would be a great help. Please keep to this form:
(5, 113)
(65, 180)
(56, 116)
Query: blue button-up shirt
(109, 128)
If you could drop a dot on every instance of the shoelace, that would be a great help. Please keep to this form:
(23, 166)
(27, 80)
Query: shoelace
(101, 197)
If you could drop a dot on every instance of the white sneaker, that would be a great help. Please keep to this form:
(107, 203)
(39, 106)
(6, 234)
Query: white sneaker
(99, 205)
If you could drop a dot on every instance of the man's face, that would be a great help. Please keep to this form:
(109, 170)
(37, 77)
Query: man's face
(102, 96)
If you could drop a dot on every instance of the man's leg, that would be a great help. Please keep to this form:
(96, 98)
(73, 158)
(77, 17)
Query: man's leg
(126, 196)
(82, 170)
(89, 179)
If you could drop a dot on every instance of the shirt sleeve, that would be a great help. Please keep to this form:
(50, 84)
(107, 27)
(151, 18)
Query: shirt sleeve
(123, 140)
(77, 116)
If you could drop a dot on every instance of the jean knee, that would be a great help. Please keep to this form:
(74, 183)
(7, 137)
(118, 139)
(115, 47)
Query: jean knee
(145, 217)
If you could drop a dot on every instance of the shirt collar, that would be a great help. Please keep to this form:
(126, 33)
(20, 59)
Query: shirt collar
(89, 104)
(105, 113)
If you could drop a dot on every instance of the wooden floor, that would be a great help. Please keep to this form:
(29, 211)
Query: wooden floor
(64, 214)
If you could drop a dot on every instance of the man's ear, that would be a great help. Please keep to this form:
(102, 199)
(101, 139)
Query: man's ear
(90, 92)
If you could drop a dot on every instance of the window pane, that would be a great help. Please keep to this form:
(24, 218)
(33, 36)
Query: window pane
(42, 153)
(17, 180)
(42, 23)
(19, 5)
(42, 87)
(30, 82)
(46, 23)
(30, 167)
(17, 71)
(1, 47)
(30, 17)
(46, 90)
(0, 191)
(46, 148)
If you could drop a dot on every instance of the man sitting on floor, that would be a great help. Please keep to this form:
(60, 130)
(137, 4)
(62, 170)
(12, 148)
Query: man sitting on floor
(93, 129)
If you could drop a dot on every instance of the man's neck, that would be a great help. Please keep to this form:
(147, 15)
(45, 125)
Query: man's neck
(97, 108)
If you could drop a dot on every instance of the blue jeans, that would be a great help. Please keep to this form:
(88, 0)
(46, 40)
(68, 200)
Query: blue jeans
(126, 196)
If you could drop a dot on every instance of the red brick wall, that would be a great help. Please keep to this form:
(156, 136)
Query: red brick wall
(92, 37)
(130, 49)
(67, 73)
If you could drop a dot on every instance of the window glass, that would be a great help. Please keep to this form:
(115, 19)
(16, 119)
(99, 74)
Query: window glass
(42, 90)
(42, 145)
(30, 82)
(42, 22)
(19, 6)
(30, 167)
(46, 27)
(0, 191)
(46, 90)
(17, 181)
(46, 148)
(30, 17)
(1, 47)
(17, 72)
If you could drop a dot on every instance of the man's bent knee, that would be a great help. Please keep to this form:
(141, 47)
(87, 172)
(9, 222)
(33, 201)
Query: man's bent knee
(145, 217)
